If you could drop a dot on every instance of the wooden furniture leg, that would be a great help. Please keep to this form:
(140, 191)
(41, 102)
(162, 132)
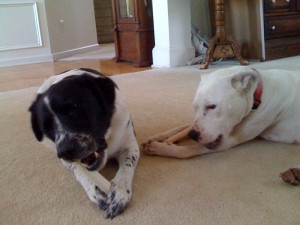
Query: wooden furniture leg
(236, 49)
(221, 45)
(209, 53)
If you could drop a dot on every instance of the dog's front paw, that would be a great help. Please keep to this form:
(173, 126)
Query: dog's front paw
(150, 146)
(100, 198)
(158, 148)
(114, 203)
(158, 138)
(145, 146)
(117, 200)
(291, 176)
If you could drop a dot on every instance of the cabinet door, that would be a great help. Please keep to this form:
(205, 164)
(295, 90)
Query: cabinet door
(271, 6)
(298, 5)
(282, 26)
(126, 9)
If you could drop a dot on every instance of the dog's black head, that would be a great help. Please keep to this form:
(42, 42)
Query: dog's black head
(75, 113)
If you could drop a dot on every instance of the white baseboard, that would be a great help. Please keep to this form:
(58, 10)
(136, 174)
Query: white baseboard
(68, 53)
(46, 58)
(25, 60)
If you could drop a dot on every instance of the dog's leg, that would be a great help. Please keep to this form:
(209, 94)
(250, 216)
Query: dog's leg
(95, 194)
(175, 151)
(97, 178)
(185, 151)
(165, 136)
(291, 176)
(121, 185)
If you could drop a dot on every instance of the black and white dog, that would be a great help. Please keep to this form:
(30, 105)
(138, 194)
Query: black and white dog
(83, 113)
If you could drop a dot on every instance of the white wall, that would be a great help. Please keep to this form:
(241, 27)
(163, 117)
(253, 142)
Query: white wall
(200, 16)
(62, 28)
(72, 27)
(22, 27)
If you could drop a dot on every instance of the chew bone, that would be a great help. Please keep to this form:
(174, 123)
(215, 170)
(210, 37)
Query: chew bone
(177, 137)
(99, 180)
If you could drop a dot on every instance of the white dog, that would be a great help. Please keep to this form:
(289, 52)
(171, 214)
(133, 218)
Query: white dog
(236, 105)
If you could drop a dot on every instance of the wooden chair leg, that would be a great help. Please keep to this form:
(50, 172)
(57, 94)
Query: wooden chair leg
(209, 53)
(236, 50)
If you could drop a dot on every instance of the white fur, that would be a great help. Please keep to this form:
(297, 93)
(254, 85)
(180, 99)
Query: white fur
(231, 90)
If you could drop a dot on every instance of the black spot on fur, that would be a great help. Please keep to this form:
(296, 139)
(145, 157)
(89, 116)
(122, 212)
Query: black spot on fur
(99, 191)
(113, 194)
(128, 123)
(102, 205)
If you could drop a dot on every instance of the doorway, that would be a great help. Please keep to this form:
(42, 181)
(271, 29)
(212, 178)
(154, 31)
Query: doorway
(104, 21)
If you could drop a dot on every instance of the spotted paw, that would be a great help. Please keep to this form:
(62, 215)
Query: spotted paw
(100, 198)
(117, 199)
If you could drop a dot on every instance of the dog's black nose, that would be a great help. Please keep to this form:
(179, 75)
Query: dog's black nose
(65, 155)
(195, 135)
(66, 152)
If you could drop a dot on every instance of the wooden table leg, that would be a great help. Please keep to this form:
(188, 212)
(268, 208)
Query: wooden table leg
(236, 49)
(209, 53)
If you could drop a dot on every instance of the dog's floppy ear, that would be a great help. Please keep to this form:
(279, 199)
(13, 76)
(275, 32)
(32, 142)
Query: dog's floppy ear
(35, 124)
(244, 80)
(104, 89)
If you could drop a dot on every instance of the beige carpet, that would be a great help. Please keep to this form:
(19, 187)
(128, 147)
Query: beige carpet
(239, 186)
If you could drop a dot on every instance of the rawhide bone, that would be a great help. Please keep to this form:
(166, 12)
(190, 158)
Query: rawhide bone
(99, 180)
(178, 136)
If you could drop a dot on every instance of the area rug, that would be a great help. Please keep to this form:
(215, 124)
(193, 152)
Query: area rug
(238, 186)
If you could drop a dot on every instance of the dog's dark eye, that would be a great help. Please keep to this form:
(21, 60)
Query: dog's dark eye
(69, 108)
(209, 107)
(73, 108)
(72, 105)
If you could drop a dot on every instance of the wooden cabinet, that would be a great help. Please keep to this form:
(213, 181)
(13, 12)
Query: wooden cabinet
(272, 6)
(133, 31)
(281, 28)
(265, 29)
